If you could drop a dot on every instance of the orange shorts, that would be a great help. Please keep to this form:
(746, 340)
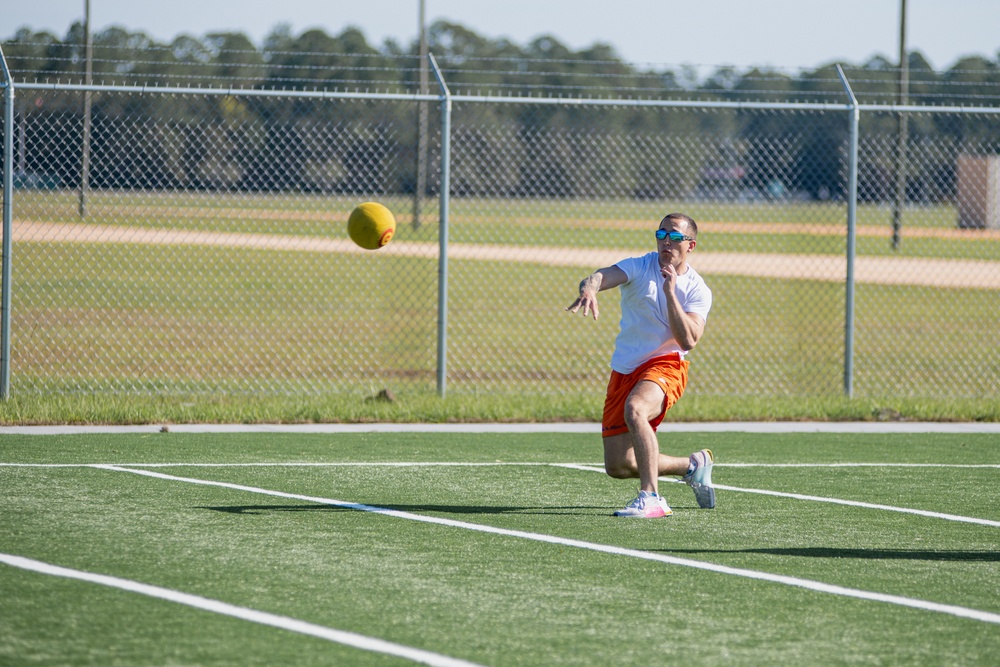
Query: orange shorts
(669, 372)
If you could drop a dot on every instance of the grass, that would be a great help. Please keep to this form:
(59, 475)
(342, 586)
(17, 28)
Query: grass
(63, 205)
(427, 407)
(285, 332)
(287, 349)
(437, 587)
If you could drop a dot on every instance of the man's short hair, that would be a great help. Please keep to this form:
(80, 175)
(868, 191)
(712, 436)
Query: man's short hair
(688, 220)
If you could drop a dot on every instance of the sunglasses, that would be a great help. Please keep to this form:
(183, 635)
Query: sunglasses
(675, 237)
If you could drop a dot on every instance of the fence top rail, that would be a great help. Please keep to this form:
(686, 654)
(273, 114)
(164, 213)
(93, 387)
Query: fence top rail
(690, 104)
(910, 108)
(506, 99)
(231, 91)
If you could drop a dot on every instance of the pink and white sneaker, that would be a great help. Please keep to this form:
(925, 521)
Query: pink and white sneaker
(646, 506)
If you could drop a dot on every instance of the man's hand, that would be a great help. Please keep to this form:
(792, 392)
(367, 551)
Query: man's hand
(607, 278)
(589, 287)
(669, 274)
(588, 300)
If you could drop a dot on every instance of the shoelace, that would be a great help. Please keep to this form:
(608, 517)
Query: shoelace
(636, 503)
(693, 468)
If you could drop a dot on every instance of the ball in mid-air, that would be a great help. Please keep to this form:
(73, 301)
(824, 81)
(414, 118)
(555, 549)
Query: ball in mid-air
(371, 225)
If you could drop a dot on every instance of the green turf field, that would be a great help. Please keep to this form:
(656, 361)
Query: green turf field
(488, 550)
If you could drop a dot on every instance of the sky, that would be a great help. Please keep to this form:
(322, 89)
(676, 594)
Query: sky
(704, 33)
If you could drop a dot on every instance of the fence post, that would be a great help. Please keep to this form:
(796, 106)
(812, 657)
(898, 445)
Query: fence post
(442, 361)
(8, 215)
(88, 80)
(852, 219)
(901, 140)
(420, 189)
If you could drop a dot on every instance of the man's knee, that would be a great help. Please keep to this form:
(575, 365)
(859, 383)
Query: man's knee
(643, 404)
(624, 469)
(639, 411)
(634, 414)
(619, 457)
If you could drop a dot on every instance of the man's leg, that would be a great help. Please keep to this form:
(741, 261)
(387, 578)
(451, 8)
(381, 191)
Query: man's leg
(643, 404)
(637, 453)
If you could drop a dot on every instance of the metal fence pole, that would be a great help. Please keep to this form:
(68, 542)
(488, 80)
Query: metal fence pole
(420, 189)
(442, 365)
(8, 216)
(852, 219)
(88, 79)
(902, 139)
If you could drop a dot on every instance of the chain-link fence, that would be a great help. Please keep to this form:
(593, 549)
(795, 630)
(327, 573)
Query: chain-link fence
(195, 242)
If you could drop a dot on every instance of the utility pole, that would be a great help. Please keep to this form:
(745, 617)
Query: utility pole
(88, 79)
(902, 138)
(420, 188)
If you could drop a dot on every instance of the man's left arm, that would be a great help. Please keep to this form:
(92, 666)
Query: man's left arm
(687, 328)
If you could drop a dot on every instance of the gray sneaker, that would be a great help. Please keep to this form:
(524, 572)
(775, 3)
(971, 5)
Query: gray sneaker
(700, 478)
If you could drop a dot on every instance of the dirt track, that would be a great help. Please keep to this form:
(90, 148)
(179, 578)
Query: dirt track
(706, 226)
(876, 270)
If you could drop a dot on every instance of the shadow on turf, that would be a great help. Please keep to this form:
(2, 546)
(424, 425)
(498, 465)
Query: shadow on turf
(451, 509)
(872, 554)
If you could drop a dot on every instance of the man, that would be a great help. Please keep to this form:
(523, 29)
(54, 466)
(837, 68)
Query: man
(664, 306)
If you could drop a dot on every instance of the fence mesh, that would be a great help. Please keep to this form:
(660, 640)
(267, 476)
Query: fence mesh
(209, 251)
(210, 254)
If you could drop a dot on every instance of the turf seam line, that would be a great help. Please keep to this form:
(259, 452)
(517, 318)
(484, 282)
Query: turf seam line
(913, 603)
(244, 613)
(819, 499)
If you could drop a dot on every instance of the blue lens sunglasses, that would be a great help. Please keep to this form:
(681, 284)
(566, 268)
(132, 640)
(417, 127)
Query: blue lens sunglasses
(675, 237)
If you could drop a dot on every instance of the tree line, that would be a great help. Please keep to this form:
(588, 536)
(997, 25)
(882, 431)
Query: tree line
(288, 143)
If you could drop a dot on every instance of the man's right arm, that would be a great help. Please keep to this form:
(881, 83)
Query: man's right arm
(602, 279)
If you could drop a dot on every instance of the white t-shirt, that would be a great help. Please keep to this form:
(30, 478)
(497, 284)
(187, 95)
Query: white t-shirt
(645, 331)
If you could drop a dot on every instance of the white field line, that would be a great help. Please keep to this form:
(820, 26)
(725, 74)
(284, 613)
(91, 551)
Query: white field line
(873, 506)
(287, 464)
(253, 615)
(574, 427)
(580, 466)
(380, 427)
(925, 605)
(589, 467)
(819, 499)
(469, 464)
(857, 465)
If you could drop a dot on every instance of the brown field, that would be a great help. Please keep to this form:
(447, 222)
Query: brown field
(878, 270)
